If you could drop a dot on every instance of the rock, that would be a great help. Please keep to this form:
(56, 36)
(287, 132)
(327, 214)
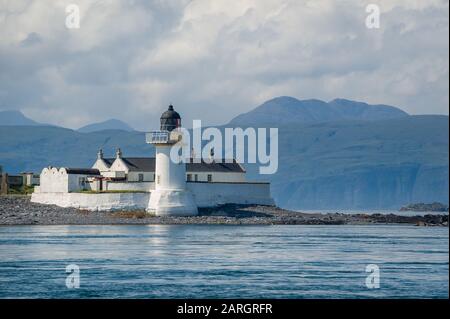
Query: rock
(421, 223)
(422, 207)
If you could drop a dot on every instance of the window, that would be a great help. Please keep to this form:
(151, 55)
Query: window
(189, 177)
(209, 178)
(141, 177)
(196, 177)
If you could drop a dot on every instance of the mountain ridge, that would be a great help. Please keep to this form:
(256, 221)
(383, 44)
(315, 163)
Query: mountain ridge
(286, 110)
(111, 124)
(17, 118)
(13, 117)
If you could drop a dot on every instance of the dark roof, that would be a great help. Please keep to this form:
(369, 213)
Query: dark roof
(147, 164)
(142, 164)
(170, 114)
(108, 161)
(215, 167)
(82, 171)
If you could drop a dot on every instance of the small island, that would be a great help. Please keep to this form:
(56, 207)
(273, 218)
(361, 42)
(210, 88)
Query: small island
(19, 210)
(422, 207)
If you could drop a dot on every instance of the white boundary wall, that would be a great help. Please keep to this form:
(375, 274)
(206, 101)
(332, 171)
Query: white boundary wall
(104, 201)
(205, 195)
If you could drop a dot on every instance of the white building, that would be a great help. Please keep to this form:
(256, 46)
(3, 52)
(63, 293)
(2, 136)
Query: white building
(66, 180)
(142, 169)
(155, 184)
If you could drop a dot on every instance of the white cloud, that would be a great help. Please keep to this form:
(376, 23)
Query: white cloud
(216, 59)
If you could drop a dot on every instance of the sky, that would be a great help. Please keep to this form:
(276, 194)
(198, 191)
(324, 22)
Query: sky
(215, 59)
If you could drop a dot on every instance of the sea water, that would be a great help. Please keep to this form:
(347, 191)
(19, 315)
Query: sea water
(215, 261)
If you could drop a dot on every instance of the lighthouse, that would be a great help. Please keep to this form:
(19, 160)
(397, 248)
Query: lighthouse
(170, 196)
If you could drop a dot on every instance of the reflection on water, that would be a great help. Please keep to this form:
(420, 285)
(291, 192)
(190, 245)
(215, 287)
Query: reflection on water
(211, 261)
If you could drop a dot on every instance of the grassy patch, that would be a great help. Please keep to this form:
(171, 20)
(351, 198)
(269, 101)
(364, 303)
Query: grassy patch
(23, 190)
(109, 192)
(124, 214)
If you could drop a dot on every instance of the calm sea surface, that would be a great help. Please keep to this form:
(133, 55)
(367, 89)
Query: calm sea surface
(212, 261)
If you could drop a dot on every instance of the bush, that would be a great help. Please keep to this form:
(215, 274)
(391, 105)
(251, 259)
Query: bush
(23, 190)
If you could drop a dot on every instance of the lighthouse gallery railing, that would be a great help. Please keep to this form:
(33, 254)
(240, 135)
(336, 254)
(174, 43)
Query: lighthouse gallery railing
(157, 137)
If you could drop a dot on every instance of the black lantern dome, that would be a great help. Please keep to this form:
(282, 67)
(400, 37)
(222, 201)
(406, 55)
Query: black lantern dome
(170, 119)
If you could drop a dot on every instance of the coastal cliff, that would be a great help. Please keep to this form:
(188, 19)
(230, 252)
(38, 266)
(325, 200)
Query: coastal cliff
(422, 207)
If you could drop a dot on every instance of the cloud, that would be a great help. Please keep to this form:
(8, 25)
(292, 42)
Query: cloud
(216, 59)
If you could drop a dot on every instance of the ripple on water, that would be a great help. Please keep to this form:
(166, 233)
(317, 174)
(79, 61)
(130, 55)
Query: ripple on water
(200, 261)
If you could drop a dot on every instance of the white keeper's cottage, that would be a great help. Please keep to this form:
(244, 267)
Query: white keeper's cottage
(155, 184)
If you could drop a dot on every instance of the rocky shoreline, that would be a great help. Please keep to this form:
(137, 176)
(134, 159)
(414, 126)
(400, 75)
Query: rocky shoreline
(422, 207)
(18, 210)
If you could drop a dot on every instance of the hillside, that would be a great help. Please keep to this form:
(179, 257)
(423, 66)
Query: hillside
(29, 148)
(15, 118)
(379, 164)
(288, 110)
(112, 124)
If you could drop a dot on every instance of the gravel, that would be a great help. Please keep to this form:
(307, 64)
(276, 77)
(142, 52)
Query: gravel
(18, 210)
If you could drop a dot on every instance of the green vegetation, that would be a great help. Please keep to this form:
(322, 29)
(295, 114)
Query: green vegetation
(23, 190)
(108, 192)
(131, 214)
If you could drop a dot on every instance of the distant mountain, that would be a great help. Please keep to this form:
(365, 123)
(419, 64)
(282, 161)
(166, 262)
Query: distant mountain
(360, 164)
(288, 110)
(111, 124)
(15, 118)
(12, 118)
(31, 148)
(345, 164)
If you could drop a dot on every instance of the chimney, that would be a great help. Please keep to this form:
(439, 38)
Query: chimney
(100, 154)
(118, 153)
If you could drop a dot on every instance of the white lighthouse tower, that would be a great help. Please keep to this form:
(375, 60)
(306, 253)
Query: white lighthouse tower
(170, 196)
